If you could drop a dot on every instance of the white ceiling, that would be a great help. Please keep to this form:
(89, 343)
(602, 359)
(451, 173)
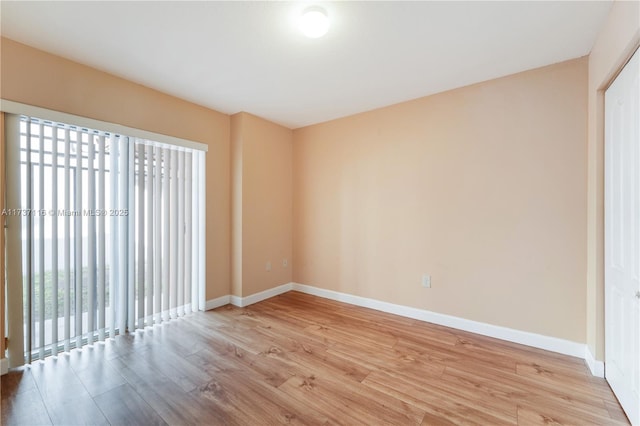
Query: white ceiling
(249, 56)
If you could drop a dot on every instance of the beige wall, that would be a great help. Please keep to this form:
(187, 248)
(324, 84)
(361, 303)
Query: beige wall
(34, 77)
(236, 203)
(618, 39)
(483, 187)
(262, 203)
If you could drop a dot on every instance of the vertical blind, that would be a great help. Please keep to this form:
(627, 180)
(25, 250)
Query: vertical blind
(111, 233)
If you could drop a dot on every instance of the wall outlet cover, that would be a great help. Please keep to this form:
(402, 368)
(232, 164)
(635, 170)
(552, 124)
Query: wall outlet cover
(426, 281)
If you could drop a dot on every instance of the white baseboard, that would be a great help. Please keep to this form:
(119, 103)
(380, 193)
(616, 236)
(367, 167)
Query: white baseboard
(553, 344)
(4, 366)
(241, 302)
(596, 367)
(259, 297)
(217, 302)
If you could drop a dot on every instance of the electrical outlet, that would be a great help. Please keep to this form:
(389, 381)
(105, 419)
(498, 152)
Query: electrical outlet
(285, 263)
(426, 281)
(268, 266)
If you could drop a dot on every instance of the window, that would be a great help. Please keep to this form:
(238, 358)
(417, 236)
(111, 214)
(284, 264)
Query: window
(110, 230)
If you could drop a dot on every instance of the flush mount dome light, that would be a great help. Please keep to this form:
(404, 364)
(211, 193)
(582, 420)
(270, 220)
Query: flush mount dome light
(314, 22)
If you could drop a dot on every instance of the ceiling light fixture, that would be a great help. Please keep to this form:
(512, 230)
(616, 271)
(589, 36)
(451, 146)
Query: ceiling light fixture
(314, 22)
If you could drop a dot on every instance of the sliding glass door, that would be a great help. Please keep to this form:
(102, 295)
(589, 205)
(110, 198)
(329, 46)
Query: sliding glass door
(104, 234)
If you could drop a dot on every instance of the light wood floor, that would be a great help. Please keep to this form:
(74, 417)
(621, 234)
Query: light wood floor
(304, 360)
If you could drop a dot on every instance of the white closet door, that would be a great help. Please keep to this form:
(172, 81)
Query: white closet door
(622, 237)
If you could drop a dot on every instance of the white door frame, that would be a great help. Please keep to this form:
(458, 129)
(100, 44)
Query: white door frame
(622, 237)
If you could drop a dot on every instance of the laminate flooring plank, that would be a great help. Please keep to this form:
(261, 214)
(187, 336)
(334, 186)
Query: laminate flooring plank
(64, 395)
(99, 377)
(570, 395)
(259, 338)
(89, 355)
(474, 394)
(336, 336)
(305, 313)
(279, 329)
(513, 387)
(181, 408)
(554, 408)
(430, 419)
(521, 353)
(177, 334)
(477, 394)
(277, 318)
(269, 371)
(57, 381)
(205, 361)
(291, 340)
(230, 316)
(569, 382)
(545, 415)
(59, 391)
(527, 355)
(25, 408)
(123, 406)
(185, 375)
(477, 346)
(343, 405)
(378, 337)
(297, 318)
(334, 313)
(296, 348)
(173, 405)
(227, 356)
(431, 353)
(343, 312)
(248, 340)
(251, 402)
(77, 411)
(528, 417)
(616, 412)
(437, 403)
(16, 381)
(461, 349)
(216, 339)
(388, 360)
(331, 364)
